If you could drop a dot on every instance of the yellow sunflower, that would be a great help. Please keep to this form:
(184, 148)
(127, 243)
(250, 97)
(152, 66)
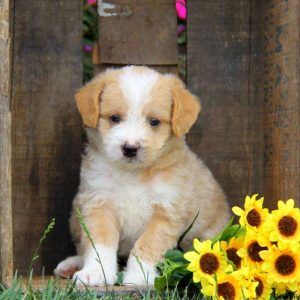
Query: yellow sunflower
(250, 253)
(282, 288)
(231, 248)
(207, 260)
(283, 226)
(263, 289)
(254, 214)
(225, 287)
(283, 265)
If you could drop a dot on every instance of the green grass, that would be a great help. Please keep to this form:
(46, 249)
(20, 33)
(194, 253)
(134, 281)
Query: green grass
(53, 289)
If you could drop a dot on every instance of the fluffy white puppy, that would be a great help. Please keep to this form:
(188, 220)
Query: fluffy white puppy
(140, 186)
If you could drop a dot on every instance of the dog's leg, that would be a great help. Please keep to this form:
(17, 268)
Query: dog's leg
(69, 266)
(160, 235)
(99, 263)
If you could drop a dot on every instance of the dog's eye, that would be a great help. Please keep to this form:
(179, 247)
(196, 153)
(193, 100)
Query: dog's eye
(115, 119)
(154, 122)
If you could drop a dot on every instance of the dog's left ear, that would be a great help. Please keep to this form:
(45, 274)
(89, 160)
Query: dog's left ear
(186, 108)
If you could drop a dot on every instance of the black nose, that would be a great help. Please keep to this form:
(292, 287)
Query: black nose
(130, 150)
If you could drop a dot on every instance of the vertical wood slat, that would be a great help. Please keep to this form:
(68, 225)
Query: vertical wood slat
(46, 131)
(281, 85)
(243, 61)
(6, 245)
(218, 72)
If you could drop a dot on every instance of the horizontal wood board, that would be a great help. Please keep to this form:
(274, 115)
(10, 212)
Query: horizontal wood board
(137, 32)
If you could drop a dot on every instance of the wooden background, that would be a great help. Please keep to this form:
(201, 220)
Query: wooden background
(46, 128)
(242, 61)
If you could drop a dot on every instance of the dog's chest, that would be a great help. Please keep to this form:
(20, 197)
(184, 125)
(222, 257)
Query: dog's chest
(133, 196)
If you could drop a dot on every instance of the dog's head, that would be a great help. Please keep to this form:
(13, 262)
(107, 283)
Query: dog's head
(136, 111)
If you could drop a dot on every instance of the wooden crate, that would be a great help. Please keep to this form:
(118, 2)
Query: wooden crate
(242, 61)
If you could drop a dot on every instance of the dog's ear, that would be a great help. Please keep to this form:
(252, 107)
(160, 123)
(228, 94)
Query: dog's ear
(186, 108)
(88, 100)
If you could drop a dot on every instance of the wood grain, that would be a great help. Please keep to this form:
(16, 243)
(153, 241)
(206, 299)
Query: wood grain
(46, 128)
(138, 32)
(281, 85)
(218, 62)
(6, 245)
(243, 62)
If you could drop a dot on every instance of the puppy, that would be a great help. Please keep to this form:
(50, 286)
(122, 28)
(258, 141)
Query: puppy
(141, 186)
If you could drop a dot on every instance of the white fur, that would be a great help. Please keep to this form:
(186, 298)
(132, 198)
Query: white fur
(92, 273)
(133, 198)
(136, 89)
(139, 272)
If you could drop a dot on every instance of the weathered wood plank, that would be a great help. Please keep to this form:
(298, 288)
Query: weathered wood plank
(46, 132)
(243, 61)
(218, 72)
(137, 32)
(6, 245)
(281, 85)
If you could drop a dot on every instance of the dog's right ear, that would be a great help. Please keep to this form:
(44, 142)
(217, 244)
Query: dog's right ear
(88, 100)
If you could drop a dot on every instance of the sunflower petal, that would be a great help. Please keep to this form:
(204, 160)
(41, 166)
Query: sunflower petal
(281, 205)
(191, 256)
(208, 290)
(290, 204)
(237, 211)
(197, 277)
(197, 245)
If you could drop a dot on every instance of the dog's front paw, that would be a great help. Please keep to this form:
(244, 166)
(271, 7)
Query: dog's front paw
(139, 272)
(93, 276)
(69, 266)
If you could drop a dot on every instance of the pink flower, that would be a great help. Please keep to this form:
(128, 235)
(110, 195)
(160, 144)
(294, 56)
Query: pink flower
(181, 9)
(91, 2)
(88, 48)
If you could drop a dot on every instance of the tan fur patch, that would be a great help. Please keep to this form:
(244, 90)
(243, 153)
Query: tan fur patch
(113, 102)
(186, 108)
(165, 164)
(103, 225)
(88, 97)
(159, 106)
(160, 234)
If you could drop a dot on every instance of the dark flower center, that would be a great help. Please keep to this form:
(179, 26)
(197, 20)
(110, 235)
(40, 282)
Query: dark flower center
(285, 264)
(253, 217)
(260, 288)
(226, 290)
(253, 251)
(287, 226)
(209, 263)
(231, 254)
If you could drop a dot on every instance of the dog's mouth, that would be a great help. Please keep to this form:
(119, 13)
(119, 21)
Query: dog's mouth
(132, 160)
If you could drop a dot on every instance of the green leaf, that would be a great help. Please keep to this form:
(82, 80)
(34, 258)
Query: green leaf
(160, 283)
(175, 255)
(187, 230)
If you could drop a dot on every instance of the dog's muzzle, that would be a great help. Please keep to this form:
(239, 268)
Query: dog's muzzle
(130, 151)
